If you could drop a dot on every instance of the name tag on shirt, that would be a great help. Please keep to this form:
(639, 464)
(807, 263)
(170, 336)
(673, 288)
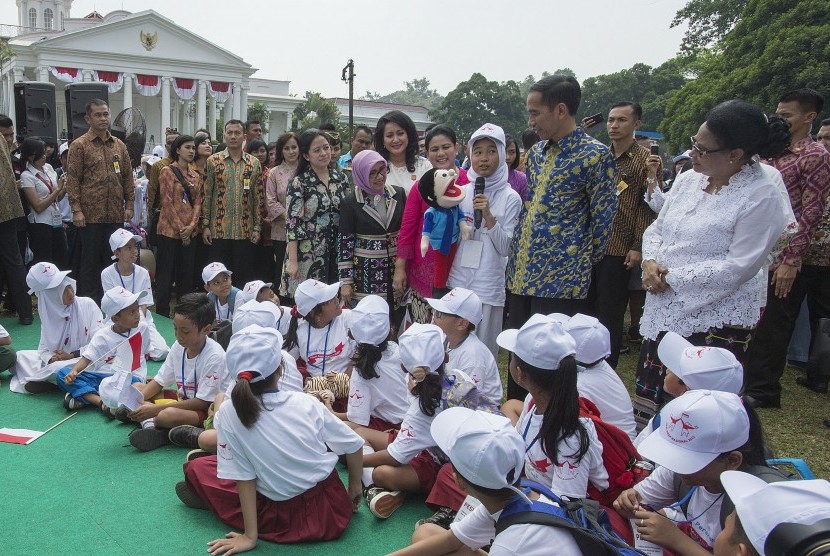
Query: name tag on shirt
(116, 166)
(471, 253)
(621, 186)
(246, 184)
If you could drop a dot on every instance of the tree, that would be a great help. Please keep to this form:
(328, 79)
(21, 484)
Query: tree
(6, 52)
(417, 92)
(258, 111)
(777, 46)
(708, 20)
(527, 82)
(476, 101)
(316, 110)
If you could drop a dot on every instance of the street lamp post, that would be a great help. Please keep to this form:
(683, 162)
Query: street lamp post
(348, 76)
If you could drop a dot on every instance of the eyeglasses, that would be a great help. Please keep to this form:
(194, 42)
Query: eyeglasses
(380, 171)
(703, 152)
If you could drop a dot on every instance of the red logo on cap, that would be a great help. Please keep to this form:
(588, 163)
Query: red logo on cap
(684, 434)
(47, 269)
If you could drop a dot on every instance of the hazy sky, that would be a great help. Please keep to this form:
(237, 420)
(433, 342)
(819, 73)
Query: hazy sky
(391, 41)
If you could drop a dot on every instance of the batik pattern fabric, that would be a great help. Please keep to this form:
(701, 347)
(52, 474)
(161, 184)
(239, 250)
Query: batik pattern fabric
(566, 222)
(313, 220)
(232, 192)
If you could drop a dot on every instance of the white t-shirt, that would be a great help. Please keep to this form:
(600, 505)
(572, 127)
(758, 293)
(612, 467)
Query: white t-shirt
(138, 281)
(3, 332)
(287, 449)
(415, 435)
(400, 176)
(704, 507)
(290, 381)
(476, 359)
(385, 397)
(105, 342)
(31, 179)
(200, 377)
(478, 528)
(325, 349)
(602, 385)
(569, 478)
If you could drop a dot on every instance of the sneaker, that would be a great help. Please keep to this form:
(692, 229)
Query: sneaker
(121, 414)
(189, 498)
(71, 403)
(443, 517)
(383, 503)
(40, 387)
(186, 436)
(149, 439)
(196, 454)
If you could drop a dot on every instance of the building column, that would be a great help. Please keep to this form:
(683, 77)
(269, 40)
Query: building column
(243, 112)
(201, 94)
(227, 109)
(165, 107)
(211, 127)
(128, 90)
(10, 96)
(43, 74)
(237, 101)
(87, 75)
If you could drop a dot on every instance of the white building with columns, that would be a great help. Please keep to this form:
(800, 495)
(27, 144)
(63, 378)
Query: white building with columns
(176, 78)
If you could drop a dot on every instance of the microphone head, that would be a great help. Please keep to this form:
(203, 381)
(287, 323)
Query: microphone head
(479, 186)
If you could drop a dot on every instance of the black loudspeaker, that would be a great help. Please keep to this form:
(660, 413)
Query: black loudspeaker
(34, 108)
(77, 95)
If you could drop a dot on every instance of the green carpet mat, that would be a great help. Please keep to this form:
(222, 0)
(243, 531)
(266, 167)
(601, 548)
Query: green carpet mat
(82, 489)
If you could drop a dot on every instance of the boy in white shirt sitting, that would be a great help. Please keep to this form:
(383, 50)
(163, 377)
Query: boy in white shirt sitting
(222, 293)
(457, 315)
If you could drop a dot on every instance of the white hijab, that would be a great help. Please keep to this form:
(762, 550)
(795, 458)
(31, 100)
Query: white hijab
(62, 326)
(498, 180)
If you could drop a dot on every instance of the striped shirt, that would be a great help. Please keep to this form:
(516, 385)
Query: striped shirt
(633, 214)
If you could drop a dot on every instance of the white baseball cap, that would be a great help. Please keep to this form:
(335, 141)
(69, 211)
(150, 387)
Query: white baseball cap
(701, 368)
(63, 148)
(44, 276)
(118, 298)
(262, 313)
(695, 428)
(311, 293)
(422, 345)
(122, 237)
(460, 302)
(542, 342)
(250, 291)
(485, 448)
(370, 320)
(761, 506)
(593, 342)
(211, 270)
(255, 349)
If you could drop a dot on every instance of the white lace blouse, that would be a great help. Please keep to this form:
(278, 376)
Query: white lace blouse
(715, 248)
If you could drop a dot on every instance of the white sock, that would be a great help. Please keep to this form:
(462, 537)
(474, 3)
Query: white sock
(148, 423)
(367, 471)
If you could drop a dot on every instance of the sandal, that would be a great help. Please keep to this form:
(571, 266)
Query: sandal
(105, 410)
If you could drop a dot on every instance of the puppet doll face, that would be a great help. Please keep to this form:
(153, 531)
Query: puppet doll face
(447, 194)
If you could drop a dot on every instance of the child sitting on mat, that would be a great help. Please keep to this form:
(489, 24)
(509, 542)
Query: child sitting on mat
(222, 293)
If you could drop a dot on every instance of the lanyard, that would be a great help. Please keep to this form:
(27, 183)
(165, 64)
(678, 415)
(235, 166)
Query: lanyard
(47, 182)
(524, 434)
(195, 368)
(219, 311)
(132, 284)
(679, 506)
(325, 346)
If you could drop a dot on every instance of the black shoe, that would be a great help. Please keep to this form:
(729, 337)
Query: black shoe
(634, 335)
(624, 350)
(186, 436)
(190, 498)
(40, 387)
(756, 403)
(26, 321)
(149, 439)
(818, 385)
(443, 518)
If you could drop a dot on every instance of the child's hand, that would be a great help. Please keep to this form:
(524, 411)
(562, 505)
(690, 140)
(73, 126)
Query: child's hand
(627, 503)
(233, 543)
(70, 377)
(356, 495)
(655, 527)
(146, 411)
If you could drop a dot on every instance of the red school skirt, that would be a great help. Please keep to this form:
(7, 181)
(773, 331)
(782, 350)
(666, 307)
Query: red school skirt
(319, 514)
(378, 424)
(445, 493)
(424, 466)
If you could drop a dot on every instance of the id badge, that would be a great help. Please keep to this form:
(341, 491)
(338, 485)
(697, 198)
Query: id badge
(622, 186)
(246, 183)
(471, 253)
(116, 166)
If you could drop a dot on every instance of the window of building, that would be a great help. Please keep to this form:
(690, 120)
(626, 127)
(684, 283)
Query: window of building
(32, 18)
(48, 17)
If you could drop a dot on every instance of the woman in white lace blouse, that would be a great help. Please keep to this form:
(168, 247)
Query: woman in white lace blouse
(703, 257)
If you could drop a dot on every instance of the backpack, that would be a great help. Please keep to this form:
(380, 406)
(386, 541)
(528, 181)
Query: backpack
(625, 466)
(459, 390)
(587, 523)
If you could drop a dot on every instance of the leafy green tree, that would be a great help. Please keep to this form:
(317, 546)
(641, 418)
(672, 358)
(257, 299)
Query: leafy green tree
(708, 20)
(258, 111)
(316, 110)
(417, 92)
(528, 81)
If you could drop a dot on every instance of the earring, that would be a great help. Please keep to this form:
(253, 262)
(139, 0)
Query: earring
(731, 162)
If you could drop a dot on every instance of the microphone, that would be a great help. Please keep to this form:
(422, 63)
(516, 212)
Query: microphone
(479, 190)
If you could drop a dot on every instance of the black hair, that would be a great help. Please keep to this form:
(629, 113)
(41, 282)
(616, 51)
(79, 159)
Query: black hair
(290, 339)
(282, 140)
(220, 147)
(247, 398)
(234, 122)
(328, 126)
(505, 493)
(561, 418)
(754, 449)
(197, 308)
(440, 129)
(201, 130)
(366, 357)
(255, 144)
(249, 123)
(5, 121)
(738, 124)
(529, 138)
(306, 138)
(94, 102)
(508, 139)
(636, 108)
(559, 89)
(199, 139)
(429, 391)
(177, 145)
(405, 122)
(360, 128)
(32, 148)
(808, 99)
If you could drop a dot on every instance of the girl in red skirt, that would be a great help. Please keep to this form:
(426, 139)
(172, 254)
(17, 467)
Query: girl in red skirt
(273, 475)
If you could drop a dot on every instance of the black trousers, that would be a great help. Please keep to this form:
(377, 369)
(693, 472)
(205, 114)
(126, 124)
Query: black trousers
(48, 244)
(238, 256)
(522, 307)
(767, 354)
(95, 254)
(279, 258)
(12, 265)
(174, 262)
(610, 300)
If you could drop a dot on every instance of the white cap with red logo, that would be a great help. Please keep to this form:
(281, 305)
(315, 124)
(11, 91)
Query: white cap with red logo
(701, 368)
(460, 302)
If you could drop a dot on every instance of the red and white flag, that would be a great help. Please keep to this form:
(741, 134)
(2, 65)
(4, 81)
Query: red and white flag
(128, 354)
(19, 436)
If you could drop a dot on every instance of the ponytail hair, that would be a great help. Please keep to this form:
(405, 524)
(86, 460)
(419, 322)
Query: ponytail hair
(561, 417)
(290, 340)
(247, 398)
(366, 357)
(428, 392)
